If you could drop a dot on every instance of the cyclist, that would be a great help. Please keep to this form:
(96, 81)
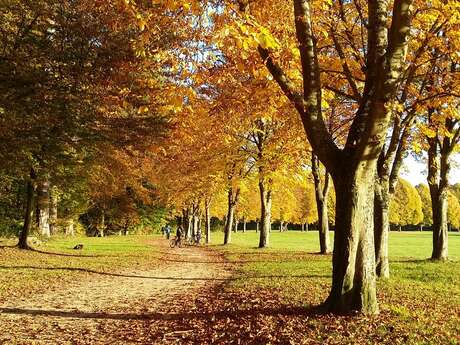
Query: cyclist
(179, 233)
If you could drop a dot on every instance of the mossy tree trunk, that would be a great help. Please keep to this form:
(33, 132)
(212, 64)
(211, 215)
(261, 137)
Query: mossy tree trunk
(353, 282)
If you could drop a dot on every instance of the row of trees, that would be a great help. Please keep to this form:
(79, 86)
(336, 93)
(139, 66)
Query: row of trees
(367, 93)
(221, 107)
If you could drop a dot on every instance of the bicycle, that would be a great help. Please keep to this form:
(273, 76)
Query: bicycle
(176, 243)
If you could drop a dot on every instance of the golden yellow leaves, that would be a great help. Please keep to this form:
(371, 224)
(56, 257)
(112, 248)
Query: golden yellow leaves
(249, 35)
(143, 109)
(428, 131)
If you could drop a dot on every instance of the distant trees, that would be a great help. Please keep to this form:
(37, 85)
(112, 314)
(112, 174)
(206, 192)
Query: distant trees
(406, 205)
(76, 86)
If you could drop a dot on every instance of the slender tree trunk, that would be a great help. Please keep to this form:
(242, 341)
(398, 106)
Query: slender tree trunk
(189, 229)
(43, 205)
(102, 225)
(70, 229)
(244, 224)
(237, 221)
(353, 278)
(257, 226)
(321, 195)
(29, 211)
(306, 227)
(229, 224)
(196, 221)
(381, 227)
(53, 212)
(207, 207)
(265, 208)
(232, 202)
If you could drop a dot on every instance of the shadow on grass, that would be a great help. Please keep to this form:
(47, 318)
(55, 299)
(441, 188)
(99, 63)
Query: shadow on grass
(412, 261)
(68, 254)
(220, 314)
(228, 262)
(79, 269)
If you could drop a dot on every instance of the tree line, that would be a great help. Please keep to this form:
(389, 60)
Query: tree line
(121, 114)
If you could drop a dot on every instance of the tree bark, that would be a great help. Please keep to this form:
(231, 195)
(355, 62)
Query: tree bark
(265, 210)
(232, 202)
(237, 221)
(244, 224)
(353, 279)
(381, 228)
(70, 229)
(53, 212)
(195, 218)
(321, 194)
(438, 172)
(43, 206)
(22, 244)
(207, 207)
(257, 226)
(440, 228)
(101, 229)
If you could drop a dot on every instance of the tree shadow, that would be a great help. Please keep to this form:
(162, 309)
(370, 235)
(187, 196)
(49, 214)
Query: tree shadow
(124, 275)
(219, 314)
(231, 262)
(413, 261)
(68, 254)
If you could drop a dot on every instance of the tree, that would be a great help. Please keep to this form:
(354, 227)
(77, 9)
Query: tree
(354, 166)
(453, 206)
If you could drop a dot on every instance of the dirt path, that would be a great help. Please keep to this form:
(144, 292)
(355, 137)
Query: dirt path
(104, 308)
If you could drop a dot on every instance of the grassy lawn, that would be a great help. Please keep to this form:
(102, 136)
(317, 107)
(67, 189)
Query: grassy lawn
(419, 304)
(55, 262)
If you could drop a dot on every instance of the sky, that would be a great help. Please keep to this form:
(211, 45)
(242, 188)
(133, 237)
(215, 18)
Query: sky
(415, 171)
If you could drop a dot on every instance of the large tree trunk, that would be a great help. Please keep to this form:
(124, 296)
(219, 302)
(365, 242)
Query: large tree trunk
(232, 202)
(321, 204)
(381, 228)
(353, 278)
(440, 229)
(29, 211)
(265, 210)
(438, 172)
(53, 213)
(43, 206)
(207, 207)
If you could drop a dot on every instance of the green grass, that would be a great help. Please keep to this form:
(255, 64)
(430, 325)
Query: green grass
(422, 297)
(416, 245)
(55, 262)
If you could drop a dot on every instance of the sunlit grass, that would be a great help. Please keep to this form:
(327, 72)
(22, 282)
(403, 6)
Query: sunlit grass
(56, 262)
